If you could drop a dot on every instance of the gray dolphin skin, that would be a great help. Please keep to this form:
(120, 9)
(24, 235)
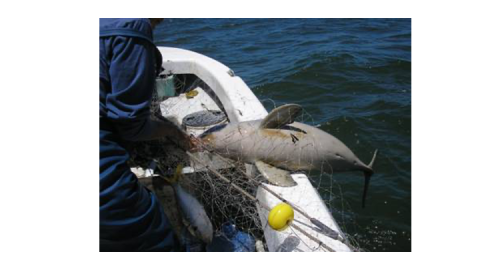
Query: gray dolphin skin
(279, 141)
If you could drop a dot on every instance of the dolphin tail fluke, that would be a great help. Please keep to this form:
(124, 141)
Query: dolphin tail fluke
(368, 174)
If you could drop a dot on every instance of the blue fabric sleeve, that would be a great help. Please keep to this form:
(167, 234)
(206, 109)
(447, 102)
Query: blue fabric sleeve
(132, 76)
(131, 217)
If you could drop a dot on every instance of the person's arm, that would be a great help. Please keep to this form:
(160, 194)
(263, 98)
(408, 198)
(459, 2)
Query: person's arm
(160, 129)
(132, 75)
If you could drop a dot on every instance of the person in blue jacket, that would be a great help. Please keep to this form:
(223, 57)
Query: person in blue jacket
(131, 217)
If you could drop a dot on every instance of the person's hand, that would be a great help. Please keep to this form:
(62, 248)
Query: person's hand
(185, 141)
(195, 143)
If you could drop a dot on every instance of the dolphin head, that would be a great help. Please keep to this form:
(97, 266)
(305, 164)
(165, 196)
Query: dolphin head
(356, 164)
(335, 153)
(348, 161)
(341, 158)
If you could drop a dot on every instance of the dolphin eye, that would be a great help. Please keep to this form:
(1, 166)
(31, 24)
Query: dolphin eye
(338, 156)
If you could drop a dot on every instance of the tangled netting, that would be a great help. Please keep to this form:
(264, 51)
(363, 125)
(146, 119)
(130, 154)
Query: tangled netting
(224, 203)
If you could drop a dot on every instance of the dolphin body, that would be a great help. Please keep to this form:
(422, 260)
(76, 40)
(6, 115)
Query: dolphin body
(279, 142)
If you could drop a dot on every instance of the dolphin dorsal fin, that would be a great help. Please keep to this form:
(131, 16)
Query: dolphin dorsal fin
(281, 116)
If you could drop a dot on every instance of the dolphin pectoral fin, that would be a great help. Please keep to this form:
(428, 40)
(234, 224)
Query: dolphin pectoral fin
(281, 116)
(274, 175)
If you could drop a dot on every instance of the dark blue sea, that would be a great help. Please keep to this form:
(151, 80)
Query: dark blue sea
(353, 78)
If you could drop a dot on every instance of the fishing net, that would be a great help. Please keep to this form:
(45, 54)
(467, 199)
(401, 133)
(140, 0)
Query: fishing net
(226, 187)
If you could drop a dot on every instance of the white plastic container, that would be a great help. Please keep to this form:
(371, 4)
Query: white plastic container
(165, 86)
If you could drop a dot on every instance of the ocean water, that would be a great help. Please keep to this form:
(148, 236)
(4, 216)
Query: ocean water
(352, 77)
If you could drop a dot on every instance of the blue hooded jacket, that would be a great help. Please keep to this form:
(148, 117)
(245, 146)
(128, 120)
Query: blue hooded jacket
(131, 218)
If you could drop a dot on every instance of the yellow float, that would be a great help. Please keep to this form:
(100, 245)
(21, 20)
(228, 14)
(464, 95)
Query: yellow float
(280, 216)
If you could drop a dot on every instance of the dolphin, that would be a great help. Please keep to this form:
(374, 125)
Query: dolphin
(278, 143)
